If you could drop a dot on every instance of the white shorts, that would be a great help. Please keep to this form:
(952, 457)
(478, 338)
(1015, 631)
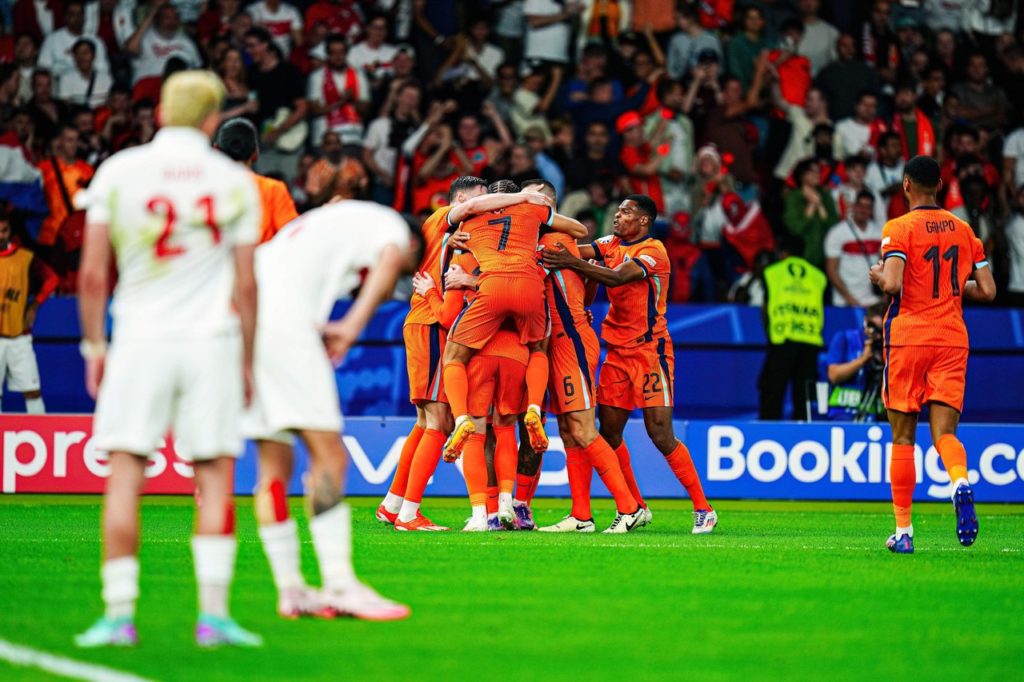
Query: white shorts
(296, 388)
(192, 387)
(18, 364)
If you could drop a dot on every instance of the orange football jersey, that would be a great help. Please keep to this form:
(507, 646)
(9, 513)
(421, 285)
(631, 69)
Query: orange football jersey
(940, 252)
(564, 290)
(506, 241)
(637, 311)
(436, 230)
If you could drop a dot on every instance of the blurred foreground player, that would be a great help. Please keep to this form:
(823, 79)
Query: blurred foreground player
(315, 260)
(182, 221)
(638, 370)
(931, 261)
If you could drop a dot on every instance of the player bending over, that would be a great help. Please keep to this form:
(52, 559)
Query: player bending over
(510, 287)
(638, 369)
(931, 261)
(182, 221)
(303, 271)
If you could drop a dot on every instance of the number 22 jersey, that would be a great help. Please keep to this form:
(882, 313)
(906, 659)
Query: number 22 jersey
(940, 252)
(175, 209)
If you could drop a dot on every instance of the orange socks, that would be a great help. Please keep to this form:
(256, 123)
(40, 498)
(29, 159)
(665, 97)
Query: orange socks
(474, 468)
(506, 457)
(401, 479)
(492, 499)
(622, 452)
(428, 453)
(903, 476)
(456, 387)
(681, 463)
(602, 458)
(953, 455)
(579, 470)
(536, 378)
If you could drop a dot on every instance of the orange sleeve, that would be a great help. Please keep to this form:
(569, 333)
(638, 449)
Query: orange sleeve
(978, 253)
(650, 259)
(283, 207)
(894, 240)
(448, 308)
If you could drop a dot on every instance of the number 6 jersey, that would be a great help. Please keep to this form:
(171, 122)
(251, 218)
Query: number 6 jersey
(940, 251)
(176, 208)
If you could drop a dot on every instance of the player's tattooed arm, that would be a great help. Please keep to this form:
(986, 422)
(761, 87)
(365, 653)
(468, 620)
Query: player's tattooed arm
(560, 258)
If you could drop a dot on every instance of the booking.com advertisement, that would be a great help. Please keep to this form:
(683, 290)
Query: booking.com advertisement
(54, 454)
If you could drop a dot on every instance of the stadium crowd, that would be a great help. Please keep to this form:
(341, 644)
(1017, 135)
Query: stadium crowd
(749, 122)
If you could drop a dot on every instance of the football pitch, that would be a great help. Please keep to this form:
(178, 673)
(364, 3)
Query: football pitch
(780, 591)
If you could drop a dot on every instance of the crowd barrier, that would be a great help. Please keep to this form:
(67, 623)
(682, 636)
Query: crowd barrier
(760, 460)
(719, 350)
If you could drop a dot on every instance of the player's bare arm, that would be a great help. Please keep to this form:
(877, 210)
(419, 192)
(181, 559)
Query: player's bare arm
(93, 288)
(625, 273)
(981, 287)
(341, 334)
(569, 226)
(457, 278)
(245, 297)
(888, 275)
(486, 203)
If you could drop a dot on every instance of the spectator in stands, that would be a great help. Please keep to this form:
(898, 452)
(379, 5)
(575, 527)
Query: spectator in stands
(595, 200)
(282, 21)
(852, 246)
(36, 19)
(981, 102)
(341, 16)
(239, 100)
(56, 53)
(84, 85)
(853, 366)
(26, 52)
(977, 205)
(802, 120)
(472, 153)
(1014, 236)
(688, 42)
(1013, 161)
(432, 169)
(336, 174)
(879, 46)
(809, 211)
(858, 133)
(933, 91)
(678, 134)
(842, 81)
(27, 282)
(730, 130)
(338, 95)
(818, 42)
(158, 39)
(531, 100)
(522, 163)
(549, 29)
(845, 195)
(144, 123)
(115, 119)
(89, 147)
(283, 106)
(542, 161)
(373, 57)
(47, 113)
(64, 175)
(388, 134)
(502, 96)
(596, 163)
(911, 125)
(742, 52)
(790, 69)
(885, 174)
(641, 156)
(111, 21)
(480, 58)
(947, 15)
(216, 21)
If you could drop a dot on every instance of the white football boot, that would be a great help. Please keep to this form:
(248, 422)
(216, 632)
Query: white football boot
(624, 523)
(362, 602)
(570, 524)
(704, 521)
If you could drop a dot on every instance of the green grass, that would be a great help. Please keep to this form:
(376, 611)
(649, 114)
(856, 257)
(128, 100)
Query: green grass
(780, 591)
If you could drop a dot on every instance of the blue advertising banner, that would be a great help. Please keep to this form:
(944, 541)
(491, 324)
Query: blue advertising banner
(827, 461)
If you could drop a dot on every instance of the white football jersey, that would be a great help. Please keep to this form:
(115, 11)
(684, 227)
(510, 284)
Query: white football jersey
(176, 208)
(318, 257)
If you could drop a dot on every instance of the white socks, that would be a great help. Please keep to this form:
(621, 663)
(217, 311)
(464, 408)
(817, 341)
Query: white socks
(519, 503)
(409, 511)
(35, 406)
(120, 578)
(909, 530)
(332, 540)
(504, 499)
(480, 512)
(281, 545)
(393, 502)
(214, 557)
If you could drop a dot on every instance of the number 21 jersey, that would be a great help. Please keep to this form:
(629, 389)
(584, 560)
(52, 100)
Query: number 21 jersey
(940, 251)
(175, 209)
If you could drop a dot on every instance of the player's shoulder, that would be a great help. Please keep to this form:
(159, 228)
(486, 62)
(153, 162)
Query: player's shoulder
(553, 239)
(650, 246)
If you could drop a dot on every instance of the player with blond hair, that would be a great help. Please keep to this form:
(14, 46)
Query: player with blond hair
(181, 220)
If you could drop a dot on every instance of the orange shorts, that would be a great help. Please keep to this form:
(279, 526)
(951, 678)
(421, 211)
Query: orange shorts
(499, 298)
(572, 355)
(496, 381)
(915, 375)
(638, 377)
(424, 348)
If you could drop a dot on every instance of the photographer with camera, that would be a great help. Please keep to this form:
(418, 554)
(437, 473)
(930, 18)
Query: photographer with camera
(853, 364)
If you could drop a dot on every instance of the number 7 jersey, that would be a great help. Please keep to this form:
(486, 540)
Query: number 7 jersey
(941, 252)
(175, 209)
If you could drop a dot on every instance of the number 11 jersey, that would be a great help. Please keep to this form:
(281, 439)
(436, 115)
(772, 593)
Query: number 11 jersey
(175, 208)
(940, 251)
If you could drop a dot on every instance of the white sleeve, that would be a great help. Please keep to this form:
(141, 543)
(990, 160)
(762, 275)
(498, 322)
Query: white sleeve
(193, 54)
(102, 61)
(363, 85)
(45, 59)
(315, 87)
(98, 198)
(834, 241)
(244, 212)
(296, 18)
(375, 134)
(1012, 146)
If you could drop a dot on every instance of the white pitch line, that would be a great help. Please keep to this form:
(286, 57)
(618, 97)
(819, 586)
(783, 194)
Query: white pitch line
(66, 667)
